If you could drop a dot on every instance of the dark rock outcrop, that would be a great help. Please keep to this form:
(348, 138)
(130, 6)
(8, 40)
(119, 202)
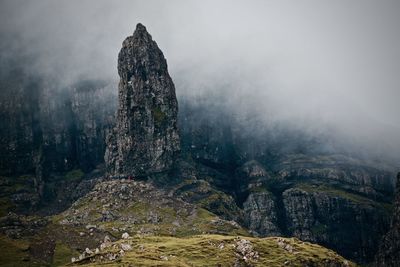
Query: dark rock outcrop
(50, 129)
(347, 223)
(250, 176)
(74, 124)
(261, 216)
(19, 135)
(145, 139)
(389, 250)
(339, 170)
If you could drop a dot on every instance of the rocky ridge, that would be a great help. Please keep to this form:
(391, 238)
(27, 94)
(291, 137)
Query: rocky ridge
(215, 250)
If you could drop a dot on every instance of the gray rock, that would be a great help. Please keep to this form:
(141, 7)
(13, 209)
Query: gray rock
(260, 214)
(348, 224)
(125, 236)
(145, 139)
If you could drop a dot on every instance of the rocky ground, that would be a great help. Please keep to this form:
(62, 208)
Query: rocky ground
(126, 221)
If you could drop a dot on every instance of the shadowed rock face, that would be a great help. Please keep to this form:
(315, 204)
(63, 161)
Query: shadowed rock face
(145, 140)
(389, 250)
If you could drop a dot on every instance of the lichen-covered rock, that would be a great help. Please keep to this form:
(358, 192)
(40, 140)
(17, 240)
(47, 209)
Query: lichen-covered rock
(356, 175)
(260, 214)
(347, 223)
(251, 175)
(389, 249)
(145, 139)
(18, 226)
(300, 213)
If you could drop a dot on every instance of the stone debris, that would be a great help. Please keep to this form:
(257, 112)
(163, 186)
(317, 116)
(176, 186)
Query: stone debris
(125, 235)
(126, 247)
(282, 243)
(90, 227)
(163, 258)
(245, 251)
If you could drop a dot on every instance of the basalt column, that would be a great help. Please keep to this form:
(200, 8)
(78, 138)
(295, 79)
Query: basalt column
(145, 140)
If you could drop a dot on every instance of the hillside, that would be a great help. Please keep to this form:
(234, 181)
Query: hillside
(123, 221)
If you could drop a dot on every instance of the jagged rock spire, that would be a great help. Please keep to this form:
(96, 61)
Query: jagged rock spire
(145, 139)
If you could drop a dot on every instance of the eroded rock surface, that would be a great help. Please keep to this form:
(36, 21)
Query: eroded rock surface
(145, 139)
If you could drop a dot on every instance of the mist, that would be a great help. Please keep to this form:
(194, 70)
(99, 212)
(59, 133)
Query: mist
(327, 68)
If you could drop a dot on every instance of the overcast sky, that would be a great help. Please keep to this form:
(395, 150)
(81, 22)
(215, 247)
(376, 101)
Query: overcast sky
(321, 64)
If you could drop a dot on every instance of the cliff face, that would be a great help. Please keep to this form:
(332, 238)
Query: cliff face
(48, 131)
(74, 123)
(389, 250)
(19, 137)
(261, 214)
(346, 222)
(342, 221)
(145, 139)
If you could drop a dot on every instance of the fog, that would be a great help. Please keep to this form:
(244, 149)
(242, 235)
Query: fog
(326, 67)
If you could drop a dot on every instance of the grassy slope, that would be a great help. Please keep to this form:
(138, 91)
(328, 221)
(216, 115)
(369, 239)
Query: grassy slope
(206, 250)
(186, 234)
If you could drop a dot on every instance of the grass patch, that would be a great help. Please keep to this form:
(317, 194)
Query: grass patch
(334, 192)
(62, 254)
(15, 253)
(159, 115)
(5, 206)
(74, 175)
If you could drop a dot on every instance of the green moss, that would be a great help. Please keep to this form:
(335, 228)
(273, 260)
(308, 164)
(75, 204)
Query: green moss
(335, 192)
(218, 203)
(259, 189)
(5, 206)
(318, 229)
(74, 175)
(15, 253)
(62, 254)
(200, 192)
(159, 115)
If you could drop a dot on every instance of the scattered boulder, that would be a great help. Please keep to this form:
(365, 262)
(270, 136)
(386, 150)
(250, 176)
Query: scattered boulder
(244, 250)
(125, 235)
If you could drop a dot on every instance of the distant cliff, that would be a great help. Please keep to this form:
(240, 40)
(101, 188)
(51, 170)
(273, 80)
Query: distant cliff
(389, 250)
(47, 129)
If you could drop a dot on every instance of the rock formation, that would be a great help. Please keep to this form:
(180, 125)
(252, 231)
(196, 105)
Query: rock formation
(344, 222)
(389, 250)
(261, 214)
(50, 130)
(145, 139)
